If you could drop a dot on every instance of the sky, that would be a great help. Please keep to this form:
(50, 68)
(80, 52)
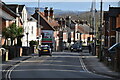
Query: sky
(71, 5)
(60, 0)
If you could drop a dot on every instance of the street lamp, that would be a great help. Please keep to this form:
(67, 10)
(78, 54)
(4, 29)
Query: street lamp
(100, 38)
(27, 38)
(94, 24)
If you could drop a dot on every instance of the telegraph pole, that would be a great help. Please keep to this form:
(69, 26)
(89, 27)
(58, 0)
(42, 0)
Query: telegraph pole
(38, 22)
(100, 38)
(94, 24)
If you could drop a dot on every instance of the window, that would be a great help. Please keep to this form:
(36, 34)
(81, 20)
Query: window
(32, 30)
(77, 35)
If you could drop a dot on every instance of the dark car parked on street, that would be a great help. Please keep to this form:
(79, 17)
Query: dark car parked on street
(45, 50)
(76, 47)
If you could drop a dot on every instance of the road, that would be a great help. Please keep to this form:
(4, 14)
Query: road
(62, 65)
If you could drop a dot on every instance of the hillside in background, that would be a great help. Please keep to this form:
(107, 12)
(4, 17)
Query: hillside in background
(76, 15)
(57, 12)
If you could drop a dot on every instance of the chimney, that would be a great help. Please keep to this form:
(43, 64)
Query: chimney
(46, 12)
(51, 13)
(36, 9)
(63, 21)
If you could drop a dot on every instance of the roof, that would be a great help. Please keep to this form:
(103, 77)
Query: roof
(84, 28)
(114, 11)
(30, 18)
(14, 6)
(51, 22)
(7, 9)
(73, 21)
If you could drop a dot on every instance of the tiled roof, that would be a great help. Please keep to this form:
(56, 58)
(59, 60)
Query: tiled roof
(14, 6)
(30, 18)
(50, 21)
(7, 9)
(84, 28)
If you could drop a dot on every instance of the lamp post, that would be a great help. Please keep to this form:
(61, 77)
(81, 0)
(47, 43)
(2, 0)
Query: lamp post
(61, 34)
(39, 27)
(27, 38)
(100, 38)
(94, 24)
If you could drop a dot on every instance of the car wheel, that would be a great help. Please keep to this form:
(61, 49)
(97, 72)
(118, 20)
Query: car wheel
(50, 54)
(39, 55)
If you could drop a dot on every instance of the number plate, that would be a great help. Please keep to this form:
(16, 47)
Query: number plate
(45, 50)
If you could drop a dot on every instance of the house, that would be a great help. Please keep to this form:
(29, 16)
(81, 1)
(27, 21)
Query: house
(111, 36)
(23, 14)
(47, 26)
(7, 17)
(110, 19)
(118, 41)
(73, 32)
(32, 29)
(118, 28)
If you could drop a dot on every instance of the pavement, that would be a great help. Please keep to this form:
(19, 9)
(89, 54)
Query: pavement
(92, 64)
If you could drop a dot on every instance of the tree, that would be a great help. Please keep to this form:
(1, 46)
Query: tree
(32, 43)
(12, 32)
(5, 34)
(19, 35)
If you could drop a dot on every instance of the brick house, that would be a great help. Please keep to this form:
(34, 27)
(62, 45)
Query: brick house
(118, 41)
(47, 26)
(82, 34)
(73, 31)
(118, 28)
(22, 20)
(112, 35)
(7, 18)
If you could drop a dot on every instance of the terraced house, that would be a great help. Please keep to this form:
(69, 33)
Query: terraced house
(7, 18)
(112, 37)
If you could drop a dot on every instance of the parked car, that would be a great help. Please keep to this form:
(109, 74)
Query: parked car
(45, 50)
(76, 47)
(112, 49)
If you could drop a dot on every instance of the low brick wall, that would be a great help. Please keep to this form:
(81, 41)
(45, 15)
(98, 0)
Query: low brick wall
(11, 52)
(26, 51)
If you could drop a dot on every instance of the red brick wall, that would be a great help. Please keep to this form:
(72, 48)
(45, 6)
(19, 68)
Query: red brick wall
(118, 22)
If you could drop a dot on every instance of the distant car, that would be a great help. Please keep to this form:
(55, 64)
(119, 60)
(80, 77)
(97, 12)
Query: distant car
(76, 47)
(45, 50)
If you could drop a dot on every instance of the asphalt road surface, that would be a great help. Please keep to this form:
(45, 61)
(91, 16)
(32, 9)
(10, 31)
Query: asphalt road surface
(62, 65)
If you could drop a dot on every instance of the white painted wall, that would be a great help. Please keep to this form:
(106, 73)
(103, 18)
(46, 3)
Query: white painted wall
(25, 26)
(32, 26)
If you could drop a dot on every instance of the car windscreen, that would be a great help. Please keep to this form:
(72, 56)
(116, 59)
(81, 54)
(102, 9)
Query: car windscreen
(44, 47)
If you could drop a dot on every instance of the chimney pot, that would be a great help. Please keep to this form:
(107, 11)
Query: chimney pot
(46, 12)
(36, 9)
(51, 13)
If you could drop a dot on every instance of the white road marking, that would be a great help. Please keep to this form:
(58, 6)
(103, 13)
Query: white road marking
(7, 76)
(83, 65)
